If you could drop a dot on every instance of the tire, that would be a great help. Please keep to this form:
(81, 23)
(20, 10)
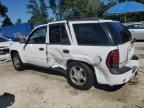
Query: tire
(88, 76)
(17, 63)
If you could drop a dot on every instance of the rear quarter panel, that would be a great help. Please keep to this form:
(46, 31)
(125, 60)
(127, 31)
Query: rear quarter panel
(91, 54)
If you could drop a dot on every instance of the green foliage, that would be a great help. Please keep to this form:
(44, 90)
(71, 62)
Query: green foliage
(56, 8)
(3, 10)
(137, 16)
(35, 19)
(141, 1)
(6, 22)
(103, 8)
(43, 8)
(68, 9)
(134, 17)
(18, 21)
(72, 9)
(125, 0)
(82, 9)
(38, 10)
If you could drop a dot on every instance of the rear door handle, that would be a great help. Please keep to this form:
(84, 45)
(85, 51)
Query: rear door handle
(41, 49)
(65, 51)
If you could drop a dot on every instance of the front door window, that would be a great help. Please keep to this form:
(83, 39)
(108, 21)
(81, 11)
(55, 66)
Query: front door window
(38, 36)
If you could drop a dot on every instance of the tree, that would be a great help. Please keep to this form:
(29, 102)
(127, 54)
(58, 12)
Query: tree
(3, 10)
(43, 9)
(65, 9)
(58, 7)
(141, 1)
(18, 21)
(103, 8)
(54, 7)
(70, 9)
(38, 10)
(94, 3)
(6, 22)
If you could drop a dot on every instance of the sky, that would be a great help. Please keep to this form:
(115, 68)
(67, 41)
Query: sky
(17, 9)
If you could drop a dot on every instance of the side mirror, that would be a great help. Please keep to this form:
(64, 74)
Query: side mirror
(9, 39)
(22, 40)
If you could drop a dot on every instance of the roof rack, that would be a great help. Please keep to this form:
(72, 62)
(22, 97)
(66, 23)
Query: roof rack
(85, 19)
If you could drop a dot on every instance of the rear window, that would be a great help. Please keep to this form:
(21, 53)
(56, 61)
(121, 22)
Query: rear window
(119, 32)
(90, 34)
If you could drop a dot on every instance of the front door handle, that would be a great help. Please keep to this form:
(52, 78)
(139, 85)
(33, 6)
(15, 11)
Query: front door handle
(41, 49)
(65, 51)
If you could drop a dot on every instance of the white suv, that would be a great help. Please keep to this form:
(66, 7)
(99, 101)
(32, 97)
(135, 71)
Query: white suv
(89, 51)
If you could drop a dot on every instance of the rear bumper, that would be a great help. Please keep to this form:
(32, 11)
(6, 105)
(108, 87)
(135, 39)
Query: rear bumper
(112, 79)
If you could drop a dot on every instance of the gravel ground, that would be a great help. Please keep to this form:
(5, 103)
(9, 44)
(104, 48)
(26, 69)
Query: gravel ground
(41, 88)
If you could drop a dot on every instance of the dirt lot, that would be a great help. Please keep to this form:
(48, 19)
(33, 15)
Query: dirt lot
(39, 88)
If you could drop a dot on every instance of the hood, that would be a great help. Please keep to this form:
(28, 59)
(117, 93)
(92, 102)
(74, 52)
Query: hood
(5, 44)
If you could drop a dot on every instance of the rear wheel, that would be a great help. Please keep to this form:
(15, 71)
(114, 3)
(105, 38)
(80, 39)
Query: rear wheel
(17, 63)
(80, 76)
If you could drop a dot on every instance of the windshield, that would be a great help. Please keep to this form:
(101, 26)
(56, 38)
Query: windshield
(3, 39)
(119, 32)
(90, 34)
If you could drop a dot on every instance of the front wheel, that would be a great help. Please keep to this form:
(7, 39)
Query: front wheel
(80, 76)
(17, 63)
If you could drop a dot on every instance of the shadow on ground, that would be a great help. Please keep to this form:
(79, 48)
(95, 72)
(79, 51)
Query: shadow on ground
(61, 72)
(108, 87)
(6, 100)
(57, 71)
(140, 41)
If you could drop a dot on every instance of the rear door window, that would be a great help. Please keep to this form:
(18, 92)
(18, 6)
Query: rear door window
(90, 34)
(58, 34)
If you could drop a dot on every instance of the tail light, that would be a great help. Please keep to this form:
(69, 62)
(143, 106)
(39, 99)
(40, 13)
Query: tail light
(113, 59)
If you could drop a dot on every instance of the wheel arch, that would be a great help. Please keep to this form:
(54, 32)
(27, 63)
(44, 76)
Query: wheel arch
(70, 61)
(15, 51)
(89, 65)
